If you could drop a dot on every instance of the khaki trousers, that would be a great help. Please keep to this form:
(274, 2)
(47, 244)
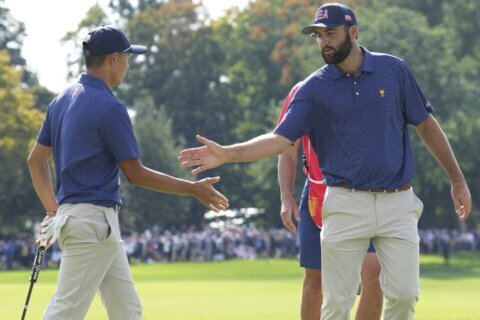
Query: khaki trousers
(350, 220)
(93, 260)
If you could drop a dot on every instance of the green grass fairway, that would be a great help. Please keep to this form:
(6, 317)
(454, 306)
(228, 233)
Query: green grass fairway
(262, 289)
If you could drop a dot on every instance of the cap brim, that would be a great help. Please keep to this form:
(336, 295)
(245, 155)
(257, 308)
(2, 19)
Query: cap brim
(136, 49)
(311, 28)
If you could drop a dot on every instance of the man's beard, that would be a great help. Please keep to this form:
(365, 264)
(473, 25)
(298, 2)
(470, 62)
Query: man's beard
(338, 55)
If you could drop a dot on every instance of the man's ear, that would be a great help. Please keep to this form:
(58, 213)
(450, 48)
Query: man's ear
(353, 30)
(113, 58)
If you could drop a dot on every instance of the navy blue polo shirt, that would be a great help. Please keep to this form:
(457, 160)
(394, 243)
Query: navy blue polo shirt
(90, 132)
(358, 125)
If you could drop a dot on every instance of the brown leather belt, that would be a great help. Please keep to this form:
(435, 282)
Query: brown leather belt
(406, 186)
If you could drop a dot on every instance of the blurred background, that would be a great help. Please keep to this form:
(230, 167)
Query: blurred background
(224, 74)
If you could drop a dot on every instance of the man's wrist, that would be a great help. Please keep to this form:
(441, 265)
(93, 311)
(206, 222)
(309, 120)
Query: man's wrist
(52, 213)
(286, 196)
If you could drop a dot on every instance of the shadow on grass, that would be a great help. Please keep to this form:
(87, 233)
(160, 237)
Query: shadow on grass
(460, 265)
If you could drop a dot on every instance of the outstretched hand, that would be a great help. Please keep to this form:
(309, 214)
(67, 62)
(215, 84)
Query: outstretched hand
(209, 196)
(209, 156)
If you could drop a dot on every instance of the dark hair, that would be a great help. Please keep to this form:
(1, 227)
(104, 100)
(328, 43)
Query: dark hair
(95, 61)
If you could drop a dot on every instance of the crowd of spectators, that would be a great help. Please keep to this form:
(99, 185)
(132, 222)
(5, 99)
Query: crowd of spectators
(209, 244)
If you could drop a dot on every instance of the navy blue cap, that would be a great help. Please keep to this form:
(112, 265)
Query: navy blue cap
(331, 15)
(108, 39)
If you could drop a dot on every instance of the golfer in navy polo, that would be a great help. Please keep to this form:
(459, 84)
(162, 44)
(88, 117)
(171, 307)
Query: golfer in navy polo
(90, 135)
(355, 111)
(309, 217)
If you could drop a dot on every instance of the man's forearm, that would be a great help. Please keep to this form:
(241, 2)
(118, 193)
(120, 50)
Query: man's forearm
(261, 147)
(147, 178)
(42, 182)
(437, 143)
(164, 183)
(287, 164)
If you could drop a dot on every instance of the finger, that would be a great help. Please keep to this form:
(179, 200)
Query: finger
(220, 202)
(189, 156)
(291, 226)
(190, 152)
(296, 213)
(46, 221)
(462, 213)
(212, 180)
(218, 207)
(198, 170)
(211, 206)
(191, 163)
(220, 197)
(467, 207)
(460, 210)
(287, 222)
(202, 140)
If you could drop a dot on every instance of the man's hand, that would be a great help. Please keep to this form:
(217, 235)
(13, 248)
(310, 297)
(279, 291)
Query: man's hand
(462, 199)
(208, 196)
(48, 230)
(47, 227)
(40, 241)
(209, 156)
(289, 207)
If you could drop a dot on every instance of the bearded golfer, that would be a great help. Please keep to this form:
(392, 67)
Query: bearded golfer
(355, 111)
(309, 217)
(90, 135)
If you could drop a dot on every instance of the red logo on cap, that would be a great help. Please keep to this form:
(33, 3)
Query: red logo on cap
(348, 17)
(322, 14)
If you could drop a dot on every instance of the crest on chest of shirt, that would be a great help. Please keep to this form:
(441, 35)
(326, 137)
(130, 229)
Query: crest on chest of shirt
(382, 92)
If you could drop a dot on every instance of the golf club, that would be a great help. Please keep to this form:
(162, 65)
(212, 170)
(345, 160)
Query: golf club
(35, 270)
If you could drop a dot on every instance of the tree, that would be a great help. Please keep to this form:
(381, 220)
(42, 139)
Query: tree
(144, 208)
(226, 79)
(447, 82)
(12, 33)
(18, 128)
(95, 16)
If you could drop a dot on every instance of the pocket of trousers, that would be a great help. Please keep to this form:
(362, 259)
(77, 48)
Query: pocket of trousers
(419, 206)
(327, 204)
(85, 230)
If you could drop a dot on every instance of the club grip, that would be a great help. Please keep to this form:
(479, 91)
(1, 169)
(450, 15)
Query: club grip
(43, 243)
(38, 260)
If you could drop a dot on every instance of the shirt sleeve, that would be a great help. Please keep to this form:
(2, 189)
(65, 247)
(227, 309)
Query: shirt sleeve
(44, 135)
(117, 133)
(416, 105)
(298, 118)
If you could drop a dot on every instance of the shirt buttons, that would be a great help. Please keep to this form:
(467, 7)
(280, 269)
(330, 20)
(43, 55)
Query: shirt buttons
(355, 82)
(357, 93)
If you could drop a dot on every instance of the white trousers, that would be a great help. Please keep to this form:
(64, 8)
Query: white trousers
(93, 260)
(350, 220)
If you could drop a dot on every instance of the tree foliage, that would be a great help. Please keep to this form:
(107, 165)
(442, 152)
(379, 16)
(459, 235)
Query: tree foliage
(18, 128)
(144, 208)
(226, 79)
(12, 33)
